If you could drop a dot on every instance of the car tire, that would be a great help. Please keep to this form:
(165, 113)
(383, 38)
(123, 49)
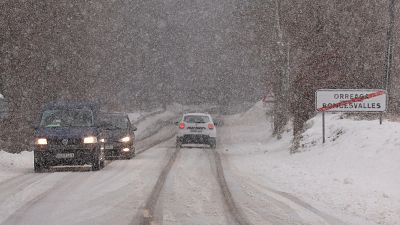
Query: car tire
(102, 164)
(96, 163)
(103, 159)
(213, 143)
(38, 167)
(179, 142)
(39, 163)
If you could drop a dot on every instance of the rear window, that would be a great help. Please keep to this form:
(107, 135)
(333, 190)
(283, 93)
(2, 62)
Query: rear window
(196, 119)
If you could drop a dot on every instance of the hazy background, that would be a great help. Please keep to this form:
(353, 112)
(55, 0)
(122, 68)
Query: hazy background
(143, 54)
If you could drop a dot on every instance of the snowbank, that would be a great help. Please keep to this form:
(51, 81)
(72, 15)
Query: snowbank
(15, 164)
(354, 176)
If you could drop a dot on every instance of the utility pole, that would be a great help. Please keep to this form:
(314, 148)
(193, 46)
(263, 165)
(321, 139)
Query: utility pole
(389, 53)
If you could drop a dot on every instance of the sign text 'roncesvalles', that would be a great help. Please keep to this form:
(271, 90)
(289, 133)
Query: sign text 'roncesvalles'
(351, 100)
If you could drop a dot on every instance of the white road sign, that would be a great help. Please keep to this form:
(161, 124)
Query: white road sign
(350, 100)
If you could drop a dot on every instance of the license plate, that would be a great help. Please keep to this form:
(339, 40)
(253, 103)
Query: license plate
(65, 155)
(109, 147)
(196, 131)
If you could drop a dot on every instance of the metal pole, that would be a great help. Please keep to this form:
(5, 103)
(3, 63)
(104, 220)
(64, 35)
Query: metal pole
(323, 127)
(380, 118)
(389, 50)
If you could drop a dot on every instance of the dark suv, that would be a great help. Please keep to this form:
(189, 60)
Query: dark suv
(68, 135)
(117, 135)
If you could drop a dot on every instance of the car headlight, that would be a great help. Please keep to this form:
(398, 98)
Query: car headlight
(125, 139)
(41, 141)
(90, 140)
(102, 140)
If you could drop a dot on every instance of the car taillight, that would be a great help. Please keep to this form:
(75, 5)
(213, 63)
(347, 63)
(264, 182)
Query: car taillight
(210, 126)
(182, 125)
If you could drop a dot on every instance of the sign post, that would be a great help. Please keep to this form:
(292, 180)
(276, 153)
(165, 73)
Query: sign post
(323, 127)
(350, 101)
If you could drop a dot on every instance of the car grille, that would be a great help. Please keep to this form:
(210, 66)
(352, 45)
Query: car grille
(71, 141)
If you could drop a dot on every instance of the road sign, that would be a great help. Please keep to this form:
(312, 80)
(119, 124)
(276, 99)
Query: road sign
(351, 100)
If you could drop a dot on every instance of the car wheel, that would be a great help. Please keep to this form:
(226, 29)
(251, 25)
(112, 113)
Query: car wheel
(213, 143)
(96, 163)
(102, 164)
(38, 167)
(39, 163)
(103, 160)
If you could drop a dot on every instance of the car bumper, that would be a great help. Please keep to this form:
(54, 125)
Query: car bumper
(116, 150)
(195, 139)
(55, 156)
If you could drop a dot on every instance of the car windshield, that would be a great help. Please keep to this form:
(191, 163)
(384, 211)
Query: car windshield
(66, 118)
(196, 119)
(119, 122)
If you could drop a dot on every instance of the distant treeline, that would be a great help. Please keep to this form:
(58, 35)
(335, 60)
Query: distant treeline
(311, 44)
(127, 55)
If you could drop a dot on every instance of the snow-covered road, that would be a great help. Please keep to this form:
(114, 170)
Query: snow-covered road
(164, 185)
(191, 194)
(113, 195)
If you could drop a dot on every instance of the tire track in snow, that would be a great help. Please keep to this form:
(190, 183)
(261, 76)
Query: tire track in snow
(150, 213)
(12, 213)
(147, 216)
(290, 204)
(233, 209)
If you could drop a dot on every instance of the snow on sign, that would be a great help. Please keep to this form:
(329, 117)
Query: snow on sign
(350, 100)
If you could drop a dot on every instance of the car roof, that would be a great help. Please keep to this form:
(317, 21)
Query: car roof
(114, 114)
(196, 114)
(71, 105)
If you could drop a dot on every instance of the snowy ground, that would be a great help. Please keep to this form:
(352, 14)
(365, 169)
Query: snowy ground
(354, 176)
(113, 195)
(15, 164)
(352, 179)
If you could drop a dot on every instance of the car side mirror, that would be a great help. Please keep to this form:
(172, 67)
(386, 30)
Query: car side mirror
(176, 123)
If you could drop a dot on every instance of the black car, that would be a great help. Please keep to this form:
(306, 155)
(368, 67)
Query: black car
(117, 136)
(68, 135)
